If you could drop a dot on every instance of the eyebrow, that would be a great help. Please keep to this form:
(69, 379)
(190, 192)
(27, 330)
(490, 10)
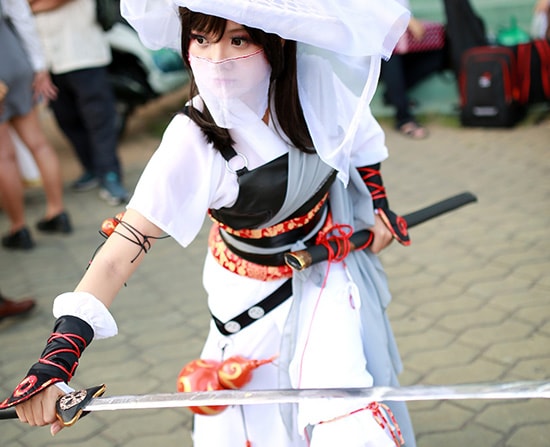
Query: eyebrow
(235, 29)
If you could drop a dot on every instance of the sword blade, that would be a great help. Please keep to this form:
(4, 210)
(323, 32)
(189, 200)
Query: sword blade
(513, 390)
(77, 407)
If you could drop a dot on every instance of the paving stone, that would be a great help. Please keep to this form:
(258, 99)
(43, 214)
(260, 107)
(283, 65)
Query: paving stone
(534, 435)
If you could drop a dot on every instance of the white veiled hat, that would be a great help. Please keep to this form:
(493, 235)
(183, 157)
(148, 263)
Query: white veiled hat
(343, 37)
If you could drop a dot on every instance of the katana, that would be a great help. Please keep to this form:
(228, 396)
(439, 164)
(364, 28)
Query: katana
(300, 260)
(72, 405)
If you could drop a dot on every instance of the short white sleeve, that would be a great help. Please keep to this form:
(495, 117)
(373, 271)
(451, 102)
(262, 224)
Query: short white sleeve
(184, 178)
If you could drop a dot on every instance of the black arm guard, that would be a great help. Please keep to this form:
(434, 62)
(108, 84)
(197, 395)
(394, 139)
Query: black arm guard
(58, 361)
(396, 224)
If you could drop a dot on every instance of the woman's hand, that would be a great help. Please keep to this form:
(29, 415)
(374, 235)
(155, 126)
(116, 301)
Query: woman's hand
(43, 87)
(382, 236)
(542, 6)
(39, 410)
(416, 28)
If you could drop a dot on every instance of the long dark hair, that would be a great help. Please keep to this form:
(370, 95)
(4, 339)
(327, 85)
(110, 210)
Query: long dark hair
(280, 54)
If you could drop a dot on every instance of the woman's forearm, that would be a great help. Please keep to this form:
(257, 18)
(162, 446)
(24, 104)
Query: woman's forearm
(118, 258)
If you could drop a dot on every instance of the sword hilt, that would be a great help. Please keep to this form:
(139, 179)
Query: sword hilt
(70, 407)
(302, 259)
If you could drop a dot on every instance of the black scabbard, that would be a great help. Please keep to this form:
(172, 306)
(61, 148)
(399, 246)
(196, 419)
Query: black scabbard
(300, 260)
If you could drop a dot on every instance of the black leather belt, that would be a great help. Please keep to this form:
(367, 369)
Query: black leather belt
(286, 238)
(254, 313)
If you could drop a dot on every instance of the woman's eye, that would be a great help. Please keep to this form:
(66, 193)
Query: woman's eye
(198, 39)
(239, 41)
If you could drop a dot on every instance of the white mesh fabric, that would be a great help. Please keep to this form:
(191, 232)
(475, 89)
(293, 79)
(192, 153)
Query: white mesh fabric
(353, 27)
(235, 90)
(346, 38)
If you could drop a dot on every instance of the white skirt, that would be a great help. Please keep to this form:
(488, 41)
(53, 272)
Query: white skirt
(328, 353)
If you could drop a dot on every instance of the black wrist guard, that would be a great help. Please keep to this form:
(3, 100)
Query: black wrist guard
(396, 224)
(58, 361)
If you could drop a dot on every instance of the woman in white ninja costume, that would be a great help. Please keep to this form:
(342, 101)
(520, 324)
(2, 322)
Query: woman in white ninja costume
(278, 146)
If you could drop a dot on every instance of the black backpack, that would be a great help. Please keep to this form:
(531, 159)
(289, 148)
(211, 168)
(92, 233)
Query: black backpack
(465, 29)
(489, 87)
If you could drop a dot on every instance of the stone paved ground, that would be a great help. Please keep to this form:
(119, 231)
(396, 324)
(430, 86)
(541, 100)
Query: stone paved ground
(471, 294)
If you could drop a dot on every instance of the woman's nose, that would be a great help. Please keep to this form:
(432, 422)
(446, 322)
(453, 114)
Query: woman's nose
(217, 53)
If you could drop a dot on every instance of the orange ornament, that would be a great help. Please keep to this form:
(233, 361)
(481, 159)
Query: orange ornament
(236, 371)
(108, 226)
(200, 375)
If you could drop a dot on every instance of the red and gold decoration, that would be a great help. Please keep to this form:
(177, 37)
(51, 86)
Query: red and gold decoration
(200, 375)
(229, 260)
(109, 225)
(211, 375)
(236, 371)
(234, 263)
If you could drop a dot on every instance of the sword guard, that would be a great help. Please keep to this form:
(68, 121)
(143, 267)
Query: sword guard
(396, 224)
(70, 407)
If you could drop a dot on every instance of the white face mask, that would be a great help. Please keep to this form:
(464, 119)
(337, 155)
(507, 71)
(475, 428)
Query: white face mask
(234, 90)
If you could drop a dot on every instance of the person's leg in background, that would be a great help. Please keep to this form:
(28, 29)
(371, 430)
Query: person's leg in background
(395, 84)
(29, 131)
(11, 194)
(419, 66)
(96, 105)
(401, 73)
(69, 119)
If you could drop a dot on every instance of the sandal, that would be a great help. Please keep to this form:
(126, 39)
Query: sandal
(413, 130)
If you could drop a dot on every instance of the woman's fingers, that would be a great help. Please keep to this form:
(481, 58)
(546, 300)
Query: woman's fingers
(40, 409)
(56, 427)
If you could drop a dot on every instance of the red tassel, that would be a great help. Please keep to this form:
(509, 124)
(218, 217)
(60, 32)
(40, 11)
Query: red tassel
(379, 412)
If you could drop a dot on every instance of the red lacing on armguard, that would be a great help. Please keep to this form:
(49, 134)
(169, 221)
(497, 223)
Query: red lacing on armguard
(383, 417)
(341, 240)
(76, 351)
(376, 189)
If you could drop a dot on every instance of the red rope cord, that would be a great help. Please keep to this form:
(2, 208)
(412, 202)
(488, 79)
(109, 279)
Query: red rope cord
(376, 189)
(383, 417)
(338, 234)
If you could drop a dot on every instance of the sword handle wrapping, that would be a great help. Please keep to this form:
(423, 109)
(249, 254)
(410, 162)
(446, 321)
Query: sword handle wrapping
(302, 259)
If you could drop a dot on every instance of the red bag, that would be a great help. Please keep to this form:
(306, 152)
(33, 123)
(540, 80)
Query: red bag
(434, 39)
(533, 59)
